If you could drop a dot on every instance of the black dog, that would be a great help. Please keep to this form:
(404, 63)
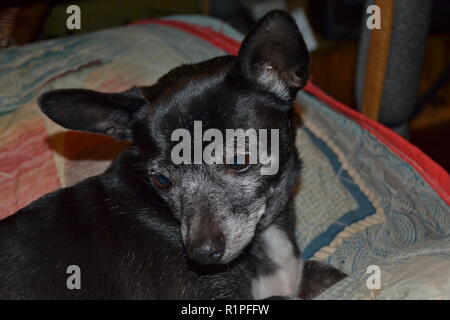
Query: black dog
(150, 228)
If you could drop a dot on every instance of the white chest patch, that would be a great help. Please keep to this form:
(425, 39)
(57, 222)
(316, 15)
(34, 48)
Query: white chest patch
(285, 281)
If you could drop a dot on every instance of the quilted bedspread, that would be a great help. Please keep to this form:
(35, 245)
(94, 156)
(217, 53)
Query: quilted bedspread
(368, 199)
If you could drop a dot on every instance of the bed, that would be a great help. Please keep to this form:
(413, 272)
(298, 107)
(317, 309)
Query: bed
(368, 198)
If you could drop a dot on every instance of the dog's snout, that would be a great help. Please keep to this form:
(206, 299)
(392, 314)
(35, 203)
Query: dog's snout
(207, 250)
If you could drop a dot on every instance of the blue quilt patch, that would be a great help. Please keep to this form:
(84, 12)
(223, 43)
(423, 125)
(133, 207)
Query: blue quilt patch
(364, 206)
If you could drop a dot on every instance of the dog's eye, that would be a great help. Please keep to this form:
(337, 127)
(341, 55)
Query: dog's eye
(238, 167)
(161, 181)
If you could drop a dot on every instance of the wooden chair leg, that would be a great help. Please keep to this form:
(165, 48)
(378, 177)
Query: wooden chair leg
(377, 60)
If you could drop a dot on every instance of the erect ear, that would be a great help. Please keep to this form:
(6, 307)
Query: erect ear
(274, 55)
(111, 114)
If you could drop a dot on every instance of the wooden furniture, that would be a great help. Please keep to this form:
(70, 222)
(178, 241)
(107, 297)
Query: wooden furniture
(21, 24)
(377, 60)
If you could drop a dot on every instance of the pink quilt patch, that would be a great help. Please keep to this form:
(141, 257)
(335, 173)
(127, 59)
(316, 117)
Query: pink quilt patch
(27, 169)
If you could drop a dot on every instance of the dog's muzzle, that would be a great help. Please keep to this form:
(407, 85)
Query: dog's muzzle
(206, 250)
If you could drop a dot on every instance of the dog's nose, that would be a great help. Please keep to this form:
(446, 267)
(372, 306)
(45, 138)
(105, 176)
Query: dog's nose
(207, 251)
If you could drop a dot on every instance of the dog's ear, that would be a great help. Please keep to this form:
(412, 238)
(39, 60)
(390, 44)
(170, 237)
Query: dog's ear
(111, 114)
(274, 55)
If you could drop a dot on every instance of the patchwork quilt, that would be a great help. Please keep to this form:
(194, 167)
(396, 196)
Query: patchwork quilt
(370, 203)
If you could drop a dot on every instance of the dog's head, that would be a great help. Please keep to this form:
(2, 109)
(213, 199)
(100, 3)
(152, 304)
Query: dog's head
(217, 194)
